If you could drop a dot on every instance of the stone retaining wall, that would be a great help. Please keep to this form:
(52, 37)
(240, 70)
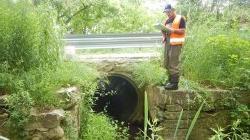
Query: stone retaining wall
(49, 124)
(165, 106)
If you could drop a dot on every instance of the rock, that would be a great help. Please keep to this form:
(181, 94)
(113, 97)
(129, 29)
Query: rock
(37, 137)
(44, 121)
(69, 96)
(55, 133)
(34, 122)
(3, 100)
(4, 116)
(35, 126)
(68, 90)
(53, 119)
(173, 108)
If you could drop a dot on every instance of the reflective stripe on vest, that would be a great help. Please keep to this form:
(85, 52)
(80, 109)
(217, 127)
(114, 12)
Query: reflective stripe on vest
(177, 39)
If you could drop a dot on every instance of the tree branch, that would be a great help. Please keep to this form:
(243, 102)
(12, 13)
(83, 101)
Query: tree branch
(76, 13)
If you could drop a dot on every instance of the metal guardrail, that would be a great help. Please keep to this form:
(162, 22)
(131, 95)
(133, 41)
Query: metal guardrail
(135, 40)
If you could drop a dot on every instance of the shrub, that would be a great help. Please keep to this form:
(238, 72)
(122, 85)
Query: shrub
(42, 83)
(219, 61)
(20, 104)
(26, 41)
(30, 68)
(146, 73)
(101, 127)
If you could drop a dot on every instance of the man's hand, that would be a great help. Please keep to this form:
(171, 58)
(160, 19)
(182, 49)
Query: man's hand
(171, 30)
(163, 36)
(177, 31)
(163, 40)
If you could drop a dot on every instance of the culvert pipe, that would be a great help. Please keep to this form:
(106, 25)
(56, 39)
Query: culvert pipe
(120, 98)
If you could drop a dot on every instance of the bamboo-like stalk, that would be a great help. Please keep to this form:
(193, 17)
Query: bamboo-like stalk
(178, 124)
(145, 115)
(194, 120)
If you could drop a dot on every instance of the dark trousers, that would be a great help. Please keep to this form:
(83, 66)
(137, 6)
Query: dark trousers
(172, 62)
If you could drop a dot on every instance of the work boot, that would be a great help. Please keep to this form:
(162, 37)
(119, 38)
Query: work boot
(171, 86)
(166, 82)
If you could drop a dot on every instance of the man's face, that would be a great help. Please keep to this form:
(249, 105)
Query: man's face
(170, 13)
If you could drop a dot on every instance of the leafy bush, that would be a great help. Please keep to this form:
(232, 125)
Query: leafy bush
(231, 132)
(241, 113)
(20, 104)
(219, 61)
(100, 127)
(42, 83)
(30, 68)
(26, 41)
(148, 73)
(128, 18)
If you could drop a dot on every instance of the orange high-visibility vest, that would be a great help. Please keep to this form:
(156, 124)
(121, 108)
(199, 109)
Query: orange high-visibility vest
(177, 39)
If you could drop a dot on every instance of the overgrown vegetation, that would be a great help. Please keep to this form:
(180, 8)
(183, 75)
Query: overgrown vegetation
(216, 51)
(221, 61)
(31, 69)
(99, 126)
(146, 73)
(216, 55)
(100, 16)
(231, 132)
(26, 42)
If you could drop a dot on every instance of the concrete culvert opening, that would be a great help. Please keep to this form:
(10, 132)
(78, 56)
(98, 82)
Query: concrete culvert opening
(119, 98)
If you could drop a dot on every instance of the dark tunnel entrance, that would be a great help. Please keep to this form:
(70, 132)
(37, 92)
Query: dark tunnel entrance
(117, 97)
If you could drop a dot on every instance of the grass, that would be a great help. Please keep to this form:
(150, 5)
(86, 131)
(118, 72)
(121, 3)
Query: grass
(194, 121)
(146, 120)
(178, 124)
(100, 127)
(146, 73)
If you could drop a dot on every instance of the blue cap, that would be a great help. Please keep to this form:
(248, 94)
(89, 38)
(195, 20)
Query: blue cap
(168, 8)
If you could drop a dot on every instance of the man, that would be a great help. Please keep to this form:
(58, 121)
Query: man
(173, 41)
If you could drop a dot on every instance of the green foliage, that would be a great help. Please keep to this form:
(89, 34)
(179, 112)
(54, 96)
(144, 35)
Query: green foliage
(42, 83)
(26, 42)
(30, 54)
(101, 16)
(153, 128)
(8, 83)
(93, 12)
(20, 104)
(234, 132)
(178, 124)
(241, 113)
(30, 67)
(146, 120)
(98, 126)
(70, 129)
(146, 73)
(101, 127)
(194, 120)
(219, 134)
(78, 16)
(217, 47)
(38, 87)
(148, 125)
(220, 60)
(129, 18)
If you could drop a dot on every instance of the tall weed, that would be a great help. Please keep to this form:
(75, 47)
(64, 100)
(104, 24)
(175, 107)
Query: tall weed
(100, 127)
(219, 61)
(146, 73)
(26, 41)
